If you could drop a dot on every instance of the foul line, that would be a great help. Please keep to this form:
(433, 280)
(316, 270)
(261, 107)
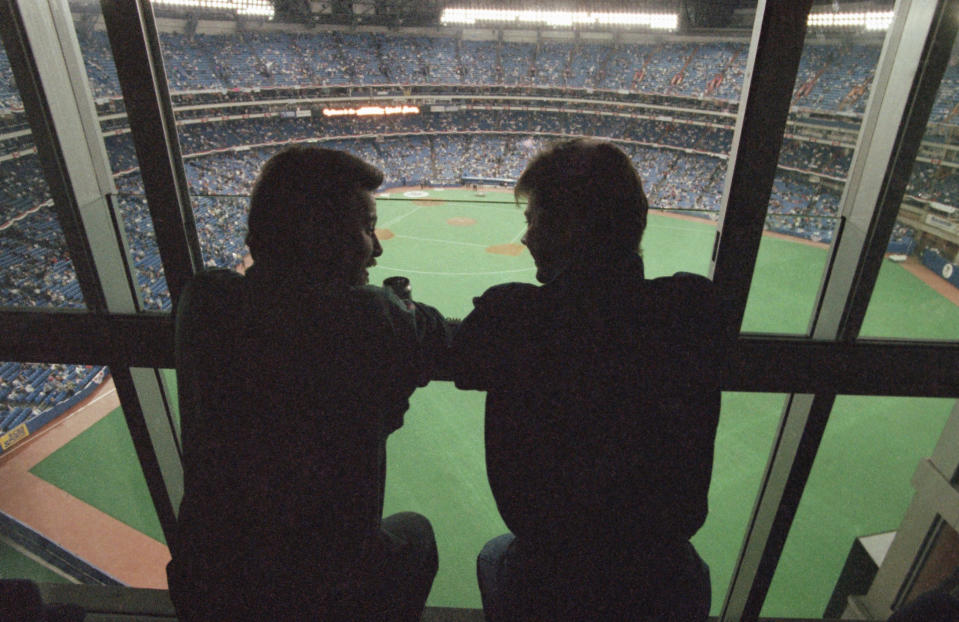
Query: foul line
(103, 396)
(399, 218)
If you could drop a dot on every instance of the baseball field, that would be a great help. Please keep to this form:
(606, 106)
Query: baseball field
(453, 244)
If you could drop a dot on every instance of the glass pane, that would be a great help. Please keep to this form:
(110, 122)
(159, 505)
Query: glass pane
(784, 258)
(105, 86)
(859, 486)
(220, 203)
(19, 563)
(917, 292)
(169, 383)
(747, 426)
(245, 79)
(436, 467)
(829, 97)
(451, 243)
(35, 266)
(141, 239)
(448, 483)
(76, 494)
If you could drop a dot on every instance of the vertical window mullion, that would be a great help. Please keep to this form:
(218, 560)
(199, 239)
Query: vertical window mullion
(774, 54)
(887, 143)
(137, 56)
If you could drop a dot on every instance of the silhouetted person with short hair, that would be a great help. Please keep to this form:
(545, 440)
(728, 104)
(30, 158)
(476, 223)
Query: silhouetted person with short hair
(290, 380)
(601, 410)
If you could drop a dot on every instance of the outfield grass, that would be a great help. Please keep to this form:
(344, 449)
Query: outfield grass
(859, 484)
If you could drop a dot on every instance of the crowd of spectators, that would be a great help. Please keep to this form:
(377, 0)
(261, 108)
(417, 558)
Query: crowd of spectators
(826, 159)
(27, 390)
(831, 77)
(9, 96)
(799, 207)
(934, 183)
(35, 269)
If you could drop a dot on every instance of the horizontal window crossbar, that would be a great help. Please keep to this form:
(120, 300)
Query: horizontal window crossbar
(753, 363)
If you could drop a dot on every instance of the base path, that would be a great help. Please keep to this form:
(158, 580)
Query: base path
(112, 546)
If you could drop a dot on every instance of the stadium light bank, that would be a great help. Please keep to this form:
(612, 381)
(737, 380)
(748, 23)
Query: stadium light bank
(257, 8)
(370, 111)
(868, 20)
(558, 19)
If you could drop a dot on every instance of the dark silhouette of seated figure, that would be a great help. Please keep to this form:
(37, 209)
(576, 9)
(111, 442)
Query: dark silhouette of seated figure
(601, 409)
(940, 604)
(290, 379)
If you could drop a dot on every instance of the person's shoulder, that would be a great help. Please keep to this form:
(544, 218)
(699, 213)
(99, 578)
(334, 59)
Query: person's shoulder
(688, 298)
(684, 285)
(210, 288)
(216, 277)
(685, 279)
(505, 294)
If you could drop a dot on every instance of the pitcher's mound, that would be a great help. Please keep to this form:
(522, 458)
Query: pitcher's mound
(506, 249)
(383, 234)
(460, 221)
(428, 202)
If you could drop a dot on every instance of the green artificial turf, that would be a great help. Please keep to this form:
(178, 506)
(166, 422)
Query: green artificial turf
(747, 425)
(859, 485)
(437, 468)
(16, 565)
(860, 480)
(784, 287)
(902, 306)
(100, 467)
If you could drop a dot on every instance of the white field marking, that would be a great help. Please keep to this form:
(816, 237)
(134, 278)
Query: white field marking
(413, 237)
(405, 270)
(392, 222)
(518, 236)
(100, 397)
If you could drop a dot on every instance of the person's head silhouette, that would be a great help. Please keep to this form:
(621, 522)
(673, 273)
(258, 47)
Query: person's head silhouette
(584, 197)
(312, 214)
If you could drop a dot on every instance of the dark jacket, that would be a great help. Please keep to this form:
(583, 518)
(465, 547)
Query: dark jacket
(602, 405)
(287, 394)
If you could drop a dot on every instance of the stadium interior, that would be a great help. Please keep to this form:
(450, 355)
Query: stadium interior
(131, 131)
